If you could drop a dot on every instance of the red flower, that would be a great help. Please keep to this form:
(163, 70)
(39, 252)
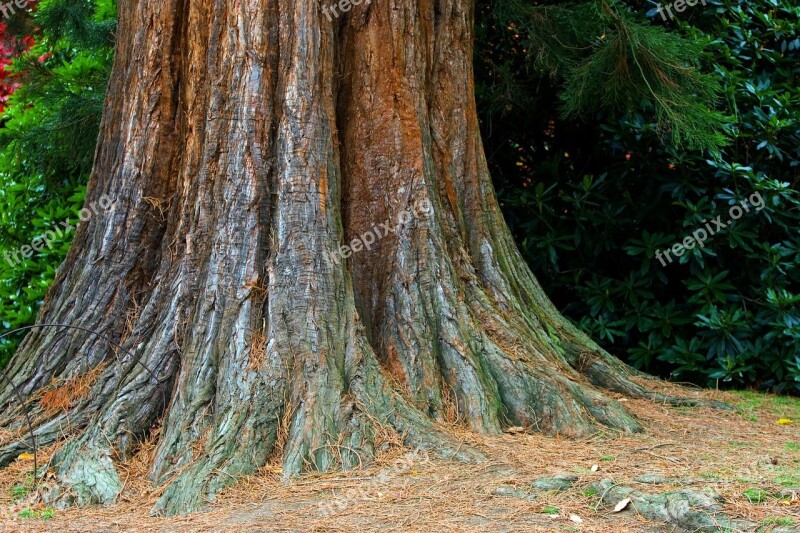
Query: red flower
(10, 48)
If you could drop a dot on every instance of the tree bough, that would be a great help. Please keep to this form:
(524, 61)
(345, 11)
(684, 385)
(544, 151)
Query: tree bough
(243, 143)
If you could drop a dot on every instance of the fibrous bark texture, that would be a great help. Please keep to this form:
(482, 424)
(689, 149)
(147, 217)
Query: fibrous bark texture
(244, 144)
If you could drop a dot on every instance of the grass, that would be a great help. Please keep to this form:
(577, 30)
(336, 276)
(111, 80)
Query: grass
(756, 495)
(21, 489)
(778, 406)
(18, 492)
(607, 458)
(793, 446)
(549, 509)
(778, 521)
(789, 477)
(713, 476)
(44, 514)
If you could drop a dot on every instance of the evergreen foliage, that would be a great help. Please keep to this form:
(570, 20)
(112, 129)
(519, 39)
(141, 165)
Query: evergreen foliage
(591, 201)
(607, 57)
(47, 143)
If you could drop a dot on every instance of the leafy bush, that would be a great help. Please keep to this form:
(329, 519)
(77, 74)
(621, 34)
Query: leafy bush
(47, 140)
(591, 202)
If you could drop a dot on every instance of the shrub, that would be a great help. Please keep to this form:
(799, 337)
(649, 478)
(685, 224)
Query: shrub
(591, 202)
(47, 142)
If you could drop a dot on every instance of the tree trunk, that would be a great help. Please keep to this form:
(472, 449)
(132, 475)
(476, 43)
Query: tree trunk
(243, 144)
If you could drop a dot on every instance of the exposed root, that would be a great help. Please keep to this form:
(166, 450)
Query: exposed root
(601, 374)
(688, 510)
(88, 476)
(389, 407)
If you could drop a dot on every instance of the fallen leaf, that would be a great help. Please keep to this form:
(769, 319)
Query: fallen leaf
(622, 505)
(595, 468)
(784, 421)
(25, 457)
(575, 518)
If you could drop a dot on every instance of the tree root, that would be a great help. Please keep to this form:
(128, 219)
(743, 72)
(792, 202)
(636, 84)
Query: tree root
(687, 510)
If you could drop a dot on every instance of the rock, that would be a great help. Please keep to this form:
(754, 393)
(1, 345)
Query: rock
(559, 482)
(651, 479)
(506, 490)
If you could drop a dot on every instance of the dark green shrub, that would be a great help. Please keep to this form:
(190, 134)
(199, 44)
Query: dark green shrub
(591, 202)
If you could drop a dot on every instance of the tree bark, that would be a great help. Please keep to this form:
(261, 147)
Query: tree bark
(244, 143)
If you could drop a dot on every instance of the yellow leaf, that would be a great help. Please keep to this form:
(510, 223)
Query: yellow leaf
(784, 421)
(25, 457)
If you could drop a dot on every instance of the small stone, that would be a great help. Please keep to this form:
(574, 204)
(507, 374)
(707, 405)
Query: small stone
(507, 490)
(651, 479)
(559, 482)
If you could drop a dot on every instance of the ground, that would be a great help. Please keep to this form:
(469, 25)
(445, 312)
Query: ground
(750, 457)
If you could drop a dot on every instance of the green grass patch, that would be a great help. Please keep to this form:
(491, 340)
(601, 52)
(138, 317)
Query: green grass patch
(712, 475)
(549, 509)
(779, 521)
(789, 480)
(607, 458)
(18, 492)
(45, 514)
(750, 402)
(756, 495)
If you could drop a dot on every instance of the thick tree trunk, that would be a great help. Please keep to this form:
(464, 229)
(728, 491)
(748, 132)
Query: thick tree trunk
(243, 144)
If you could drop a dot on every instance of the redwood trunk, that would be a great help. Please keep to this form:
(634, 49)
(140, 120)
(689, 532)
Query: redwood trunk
(244, 143)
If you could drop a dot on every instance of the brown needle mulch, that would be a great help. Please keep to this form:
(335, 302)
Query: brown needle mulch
(745, 458)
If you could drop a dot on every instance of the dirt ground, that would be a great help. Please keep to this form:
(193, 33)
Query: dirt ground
(750, 457)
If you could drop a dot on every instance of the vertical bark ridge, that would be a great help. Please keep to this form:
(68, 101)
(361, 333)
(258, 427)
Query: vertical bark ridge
(127, 232)
(414, 125)
(507, 281)
(137, 148)
(416, 313)
(309, 295)
(223, 421)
